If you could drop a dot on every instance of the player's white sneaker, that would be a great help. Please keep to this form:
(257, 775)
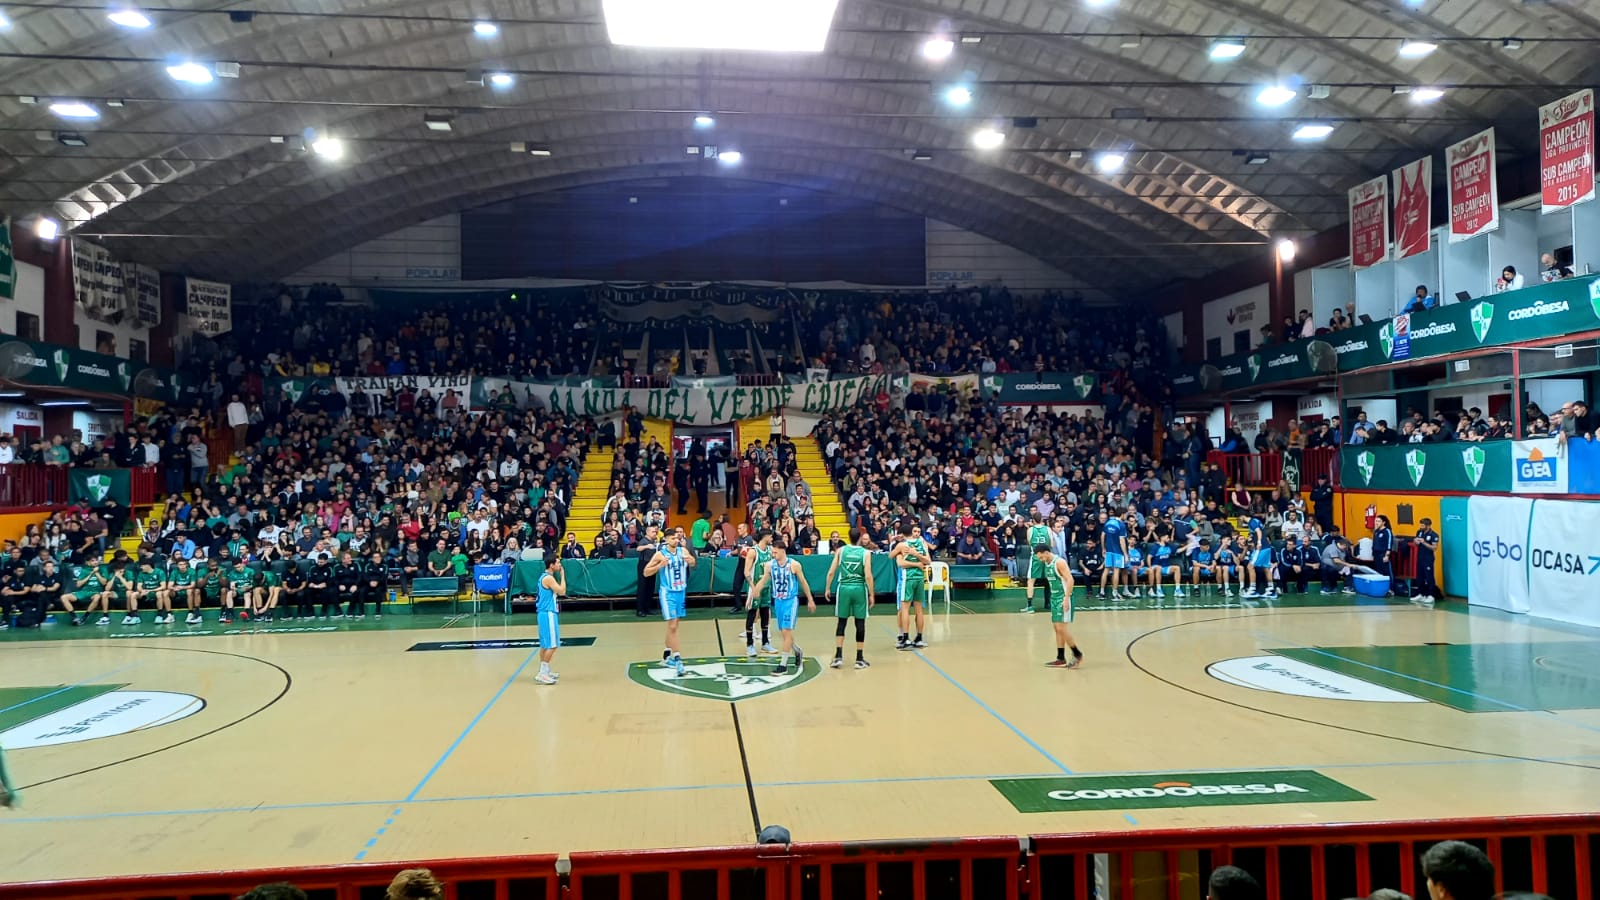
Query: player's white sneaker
(1248, 592)
(768, 648)
(1178, 592)
(544, 678)
(677, 663)
(103, 620)
(838, 663)
(750, 651)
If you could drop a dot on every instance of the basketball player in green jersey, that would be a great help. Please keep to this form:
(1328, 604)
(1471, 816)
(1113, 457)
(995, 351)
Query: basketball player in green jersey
(1059, 577)
(911, 556)
(853, 564)
(755, 566)
(1038, 533)
(8, 791)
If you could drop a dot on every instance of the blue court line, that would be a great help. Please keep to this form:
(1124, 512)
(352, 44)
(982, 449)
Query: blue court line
(1131, 819)
(460, 738)
(63, 689)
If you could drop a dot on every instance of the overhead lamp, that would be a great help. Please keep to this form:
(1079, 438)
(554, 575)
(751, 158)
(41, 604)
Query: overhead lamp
(116, 103)
(938, 49)
(226, 69)
(798, 26)
(988, 138)
(74, 109)
(1511, 45)
(1411, 49)
(1318, 91)
(47, 229)
(128, 18)
(538, 151)
(730, 157)
(5, 23)
(1256, 158)
(485, 29)
(1227, 48)
(1099, 4)
(190, 73)
(71, 139)
(959, 95)
(328, 148)
(1131, 42)
(438, 121)
(1287, 249)
(704, 121)
(972, 39)
(921, 155)
(502, 79)
(1276, 95)
(1110, 163)
(63, 403)
(1426, 94)
(1313, 131)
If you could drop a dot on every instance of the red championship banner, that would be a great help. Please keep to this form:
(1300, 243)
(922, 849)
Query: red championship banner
(1369, 223)
(1566, 151)
(1474, 194)
(1413, 208)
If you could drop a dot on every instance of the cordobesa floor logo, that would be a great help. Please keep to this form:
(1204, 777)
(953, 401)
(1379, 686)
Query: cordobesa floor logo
(1170, 790)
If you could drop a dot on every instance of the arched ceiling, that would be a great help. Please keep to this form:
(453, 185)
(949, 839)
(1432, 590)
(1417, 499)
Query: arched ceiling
(201, 177)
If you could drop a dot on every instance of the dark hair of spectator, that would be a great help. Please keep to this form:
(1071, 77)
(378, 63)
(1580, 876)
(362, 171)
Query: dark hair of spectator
(1463, 871)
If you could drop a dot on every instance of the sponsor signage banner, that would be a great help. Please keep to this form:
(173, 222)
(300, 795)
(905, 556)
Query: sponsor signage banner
(1474, 192)
(210, 306)
(1413, 208)
(144, 288)
(1539, 466)
(1399, 334)
(1369, 223)
(96, 486)
(98, 282)
(1174, 790)
(1566, 151)
(51, 365)
(1041, 388)
(1563, 560)
(1282, 675)
(1428, 468)
(1497, 560)
(8, 263)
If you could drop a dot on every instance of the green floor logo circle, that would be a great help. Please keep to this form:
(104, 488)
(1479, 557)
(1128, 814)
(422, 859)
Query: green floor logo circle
(729, 678)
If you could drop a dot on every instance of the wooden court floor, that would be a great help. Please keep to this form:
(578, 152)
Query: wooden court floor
(145, 753)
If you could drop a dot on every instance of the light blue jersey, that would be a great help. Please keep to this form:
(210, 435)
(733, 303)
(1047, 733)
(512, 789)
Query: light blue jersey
(549, 621)
(672, 583)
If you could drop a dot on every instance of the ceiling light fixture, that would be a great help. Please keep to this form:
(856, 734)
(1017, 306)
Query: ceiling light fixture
(538, 151)
(438, 121)
(1412, 49)
(485, 29)
(71, 139)
(502, 79)
(47, 229)
(129, 18)
(1227, 48)
(1099, 4)
(1426, 94)
(1276, 95)
(1256, 158)
(190, 73)
(1511, 45)
(705, 121)
(1287, 249)
(1110, 163)
(63, 403)
(4, 22)
(921, 155)
(960, 95)
(1313, 131)
(74, 109)
(988, 138)
(795, 26)
(328, 148)
(730, 157)
(972, 39)
(938, 49)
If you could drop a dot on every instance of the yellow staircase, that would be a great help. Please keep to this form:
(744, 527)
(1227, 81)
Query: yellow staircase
(825, 502)
(589, 497)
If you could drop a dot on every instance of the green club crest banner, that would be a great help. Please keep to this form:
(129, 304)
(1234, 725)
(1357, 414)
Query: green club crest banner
(1408, 468)
(96, 486)
(8, 263)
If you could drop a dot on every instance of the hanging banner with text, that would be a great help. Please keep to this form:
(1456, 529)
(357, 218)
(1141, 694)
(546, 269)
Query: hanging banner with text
(144, 290)
(8, 264)
(210, 306)
(1041, 388)
(98, 283)
(1566, 151)
(437, 386)
(1413, 208)
(710, 406)
(1474, 192)
(1369, 223)
(56, 366)
(1539, 466)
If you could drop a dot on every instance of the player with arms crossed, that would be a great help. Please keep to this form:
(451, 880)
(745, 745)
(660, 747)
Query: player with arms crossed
(671, 566)
(912, 557)
(782, 575)
(1038, 533)
(756, 560)
(853, 564)
(1059, 577)
(552, 587)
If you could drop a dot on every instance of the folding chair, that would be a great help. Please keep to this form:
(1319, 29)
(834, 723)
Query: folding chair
(939, 580)
(491, 579)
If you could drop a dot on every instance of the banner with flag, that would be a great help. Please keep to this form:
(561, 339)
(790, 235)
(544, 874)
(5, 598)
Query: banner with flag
(8, 264)
(1474, 190)
(1413, 208)
(1369, 223)
(96, 486)
(1566, 151)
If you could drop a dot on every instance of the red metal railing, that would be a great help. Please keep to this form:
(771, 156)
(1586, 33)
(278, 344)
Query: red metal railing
(1545, 854)
(1265, 470)
(32, 486)
(759, 380)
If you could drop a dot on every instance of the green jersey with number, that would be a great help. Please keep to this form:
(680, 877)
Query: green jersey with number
(852, 565)
(1038, 534)
(919, 547)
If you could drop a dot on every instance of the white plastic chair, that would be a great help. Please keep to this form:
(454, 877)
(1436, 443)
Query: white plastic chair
(939, 580)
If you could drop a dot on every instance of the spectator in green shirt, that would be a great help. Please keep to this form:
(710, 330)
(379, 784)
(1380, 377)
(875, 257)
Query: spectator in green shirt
(439, 564)
(699, 532)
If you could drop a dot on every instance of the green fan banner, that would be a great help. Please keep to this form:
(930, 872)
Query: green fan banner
(8, 263)
(1428, 468)
(52, 365)
(1042, 388)
(96, 486)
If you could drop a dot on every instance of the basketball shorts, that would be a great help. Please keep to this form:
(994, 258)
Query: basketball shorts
(787, 612)
(1060, 609)
(549, 630)
(912, 590)
(1114, 561)
(1262, 559)
(674, 604)
(1036, 569)
(852, 601)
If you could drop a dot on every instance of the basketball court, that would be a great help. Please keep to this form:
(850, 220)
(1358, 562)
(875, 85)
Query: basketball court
(426, 736)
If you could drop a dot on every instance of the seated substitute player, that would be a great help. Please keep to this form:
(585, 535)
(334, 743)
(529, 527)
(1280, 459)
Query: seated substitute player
(292, 589)
(552, 587)
(1227, 565)
(183, 583)
(319, 589)
(912, 557)
(150, 584)
(212, 587)
(374, 583)
(16, 596)
(1202, 567)
(1294, 566)
(1164, 563)
(346, 586)
(120, 586)
(239, 589)
(853, 564)
(786, 579)
(1059, 576)
(47, 586)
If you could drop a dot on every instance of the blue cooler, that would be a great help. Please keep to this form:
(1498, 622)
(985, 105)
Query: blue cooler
(1372, 585)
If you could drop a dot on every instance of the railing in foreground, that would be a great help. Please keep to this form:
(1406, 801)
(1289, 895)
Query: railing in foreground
(1265, 470)
(1545, 854)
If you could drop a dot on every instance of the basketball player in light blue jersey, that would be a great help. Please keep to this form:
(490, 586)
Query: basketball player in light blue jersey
(671, 566)
(787, 580)
(552, 587)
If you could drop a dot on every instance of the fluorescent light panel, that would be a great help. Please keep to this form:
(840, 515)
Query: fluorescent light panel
(730, 157)
(502, 79)
(1110, 163)
(1426, 94)
(988, 139)
(1276, 95)
(1227, 48)
(1416, 49)
(938, 48)
(1313, 131)
(74, 109)
(485, 29)
(958, 95)
(328, 148)
(129, 18)
(793, 26)
(704, 121)
(190, 73)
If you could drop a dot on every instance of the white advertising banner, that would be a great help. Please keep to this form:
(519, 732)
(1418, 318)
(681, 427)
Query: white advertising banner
(1497, 558)
(210, 306)
(1538, 467)
(98, 283)
(1563, 567)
